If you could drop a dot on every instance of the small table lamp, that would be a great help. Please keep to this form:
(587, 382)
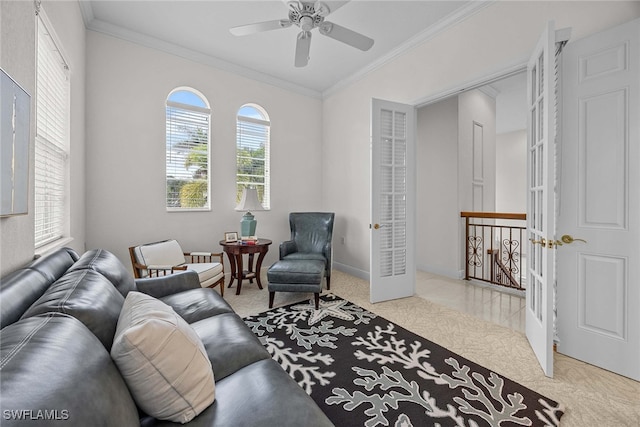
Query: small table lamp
(249, 202)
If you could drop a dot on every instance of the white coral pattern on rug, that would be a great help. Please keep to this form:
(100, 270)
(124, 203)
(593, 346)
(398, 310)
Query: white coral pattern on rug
(376, 391)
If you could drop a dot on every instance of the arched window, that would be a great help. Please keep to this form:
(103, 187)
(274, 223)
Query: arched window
(252, 156)
(187, 150)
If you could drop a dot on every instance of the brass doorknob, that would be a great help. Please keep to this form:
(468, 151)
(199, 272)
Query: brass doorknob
(542, 241)
(376, 226)
(569, 239)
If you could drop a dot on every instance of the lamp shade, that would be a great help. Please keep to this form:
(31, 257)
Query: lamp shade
(249, 202)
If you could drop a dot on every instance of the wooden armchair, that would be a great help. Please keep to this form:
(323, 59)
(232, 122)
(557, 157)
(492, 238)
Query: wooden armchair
(166, 257)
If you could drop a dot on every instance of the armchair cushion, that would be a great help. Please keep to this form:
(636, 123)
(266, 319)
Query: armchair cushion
(208, 272)
(167, 253)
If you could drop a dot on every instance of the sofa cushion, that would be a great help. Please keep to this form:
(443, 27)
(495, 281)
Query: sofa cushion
(55, 264)
(197, 304)
(89, 297)
(52, 362)
(18, 291)
(261, 394)
(107, 264)
(230, 345)
(162, 360)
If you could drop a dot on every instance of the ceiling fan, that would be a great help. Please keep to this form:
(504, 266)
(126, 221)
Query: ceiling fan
(307, 16)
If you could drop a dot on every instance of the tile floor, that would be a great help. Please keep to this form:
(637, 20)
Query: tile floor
(479, 300)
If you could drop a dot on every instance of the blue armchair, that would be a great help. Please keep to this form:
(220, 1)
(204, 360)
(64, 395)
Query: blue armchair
(311, 234)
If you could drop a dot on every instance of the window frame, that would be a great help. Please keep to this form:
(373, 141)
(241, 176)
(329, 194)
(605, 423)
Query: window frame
(52, 140)
(266, 176)
(190, 111)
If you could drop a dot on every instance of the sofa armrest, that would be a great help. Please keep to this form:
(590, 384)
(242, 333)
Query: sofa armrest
(162, 286)
(287, 248)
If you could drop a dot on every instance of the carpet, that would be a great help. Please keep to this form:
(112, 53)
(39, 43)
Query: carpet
(363, 370)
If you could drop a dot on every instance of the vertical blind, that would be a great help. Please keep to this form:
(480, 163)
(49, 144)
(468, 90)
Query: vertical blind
(252, 140)
(187, 156)
(52, 134)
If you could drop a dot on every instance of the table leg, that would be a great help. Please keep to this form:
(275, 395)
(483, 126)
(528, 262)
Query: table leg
(258, 267)
(232, 263)
(251, 266)
(240, 273)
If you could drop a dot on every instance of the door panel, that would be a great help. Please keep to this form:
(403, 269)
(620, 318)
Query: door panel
(599, 278)
(392, 257)
(540, 209)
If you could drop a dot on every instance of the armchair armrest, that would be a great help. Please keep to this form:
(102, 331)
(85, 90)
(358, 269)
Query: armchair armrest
(162, 286)
(287, 248)
(197, 257)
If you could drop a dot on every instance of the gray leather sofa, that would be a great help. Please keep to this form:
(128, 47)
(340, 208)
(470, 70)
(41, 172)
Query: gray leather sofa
(58, 317)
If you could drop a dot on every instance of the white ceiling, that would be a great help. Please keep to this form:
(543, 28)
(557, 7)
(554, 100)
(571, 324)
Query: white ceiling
(199, 30)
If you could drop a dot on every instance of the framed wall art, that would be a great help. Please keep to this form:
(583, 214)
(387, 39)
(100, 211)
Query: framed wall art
(15, 115)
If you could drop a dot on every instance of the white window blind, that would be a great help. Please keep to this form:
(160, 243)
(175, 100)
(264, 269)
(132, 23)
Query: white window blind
(52, 134)
(187, 156)
(252, 140)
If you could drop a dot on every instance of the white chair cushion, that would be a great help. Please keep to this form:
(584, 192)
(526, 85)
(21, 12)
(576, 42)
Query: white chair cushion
(161, 253)
(208, 272)
(162, 360)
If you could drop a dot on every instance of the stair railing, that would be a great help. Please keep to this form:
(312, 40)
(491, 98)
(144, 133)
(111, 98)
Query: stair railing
(494, 249)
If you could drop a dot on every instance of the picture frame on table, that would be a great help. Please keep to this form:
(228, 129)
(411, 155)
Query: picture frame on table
(231, 236)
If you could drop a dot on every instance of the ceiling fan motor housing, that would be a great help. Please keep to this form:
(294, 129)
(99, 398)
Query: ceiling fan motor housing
(307, 15)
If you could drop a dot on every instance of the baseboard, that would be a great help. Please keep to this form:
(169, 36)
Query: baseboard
(361, 274)
(453, 274)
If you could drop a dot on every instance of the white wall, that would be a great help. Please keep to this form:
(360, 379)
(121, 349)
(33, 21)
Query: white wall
(127, 86)
(497, 37)
(511, 172)
(476, 152)
(17, 58)
(437, 188)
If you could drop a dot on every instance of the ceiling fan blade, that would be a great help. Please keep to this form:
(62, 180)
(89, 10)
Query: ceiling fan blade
(303, 45)
(258, 27)
(346, 35)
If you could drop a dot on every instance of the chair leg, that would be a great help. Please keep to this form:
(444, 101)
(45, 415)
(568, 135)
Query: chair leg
(317, 299)
(328, 282)
(271, 295)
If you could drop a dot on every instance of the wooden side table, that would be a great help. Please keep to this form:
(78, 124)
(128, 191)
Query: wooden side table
(235, 251)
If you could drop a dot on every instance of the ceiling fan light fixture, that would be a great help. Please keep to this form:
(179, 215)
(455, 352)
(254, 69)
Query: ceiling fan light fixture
(306, 23)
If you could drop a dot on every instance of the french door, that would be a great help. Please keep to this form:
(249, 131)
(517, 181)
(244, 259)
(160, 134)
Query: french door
(393, 193)
(541, 201)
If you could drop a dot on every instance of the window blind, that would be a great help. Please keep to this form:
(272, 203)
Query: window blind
(52, 134)
(253, 157)
(187, 156)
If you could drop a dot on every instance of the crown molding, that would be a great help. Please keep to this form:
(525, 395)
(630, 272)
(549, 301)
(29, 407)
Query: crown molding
(93, 24)
(448, 21)
(192, 55)
(489, 90)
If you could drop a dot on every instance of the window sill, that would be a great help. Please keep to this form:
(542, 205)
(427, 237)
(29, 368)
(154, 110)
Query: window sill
(173, 210)
(50, 247)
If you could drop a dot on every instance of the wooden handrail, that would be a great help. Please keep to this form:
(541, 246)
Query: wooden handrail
(494, 215)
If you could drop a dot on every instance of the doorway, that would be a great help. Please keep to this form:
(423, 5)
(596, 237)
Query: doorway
(498, 183)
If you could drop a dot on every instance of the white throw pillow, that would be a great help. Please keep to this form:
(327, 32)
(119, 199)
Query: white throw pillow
(162, 360)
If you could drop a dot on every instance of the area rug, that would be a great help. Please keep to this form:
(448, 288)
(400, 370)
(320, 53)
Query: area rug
(363, 370)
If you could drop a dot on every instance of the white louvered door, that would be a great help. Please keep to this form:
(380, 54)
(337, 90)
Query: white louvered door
(393, 195)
